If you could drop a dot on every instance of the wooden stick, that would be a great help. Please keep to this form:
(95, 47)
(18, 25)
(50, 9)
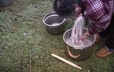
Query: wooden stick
(66, 61)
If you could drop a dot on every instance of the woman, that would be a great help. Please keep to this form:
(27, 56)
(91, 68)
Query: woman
(100, 12)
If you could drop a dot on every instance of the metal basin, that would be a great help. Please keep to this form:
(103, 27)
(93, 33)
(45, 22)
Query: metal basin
(54, 23)
(5, 2)
(78, 54)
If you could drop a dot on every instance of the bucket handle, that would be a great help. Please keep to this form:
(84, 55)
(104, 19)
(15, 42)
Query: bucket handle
(73, 56)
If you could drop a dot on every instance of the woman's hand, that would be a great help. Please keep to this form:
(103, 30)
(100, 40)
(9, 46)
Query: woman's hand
(77, 11)
(85, 35)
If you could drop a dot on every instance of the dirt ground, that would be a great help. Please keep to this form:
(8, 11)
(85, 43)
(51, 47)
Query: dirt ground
(25, 45)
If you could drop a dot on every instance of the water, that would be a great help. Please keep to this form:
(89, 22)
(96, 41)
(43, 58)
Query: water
(55, 24)
(84, 43)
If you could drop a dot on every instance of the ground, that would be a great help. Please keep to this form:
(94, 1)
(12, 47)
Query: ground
(26, 46)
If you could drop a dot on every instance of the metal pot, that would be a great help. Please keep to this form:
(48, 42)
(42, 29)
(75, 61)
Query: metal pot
(5, 2)
(78, 54)
(54, 23)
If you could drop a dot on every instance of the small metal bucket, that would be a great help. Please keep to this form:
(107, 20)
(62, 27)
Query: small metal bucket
(54, 23)
(5, 2)
(78, 54)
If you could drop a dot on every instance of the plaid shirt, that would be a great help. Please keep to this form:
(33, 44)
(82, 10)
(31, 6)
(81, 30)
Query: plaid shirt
(99, 12)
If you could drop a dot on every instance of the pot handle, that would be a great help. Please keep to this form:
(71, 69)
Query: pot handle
(73, 56)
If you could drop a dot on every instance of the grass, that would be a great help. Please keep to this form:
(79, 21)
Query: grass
(25, 45)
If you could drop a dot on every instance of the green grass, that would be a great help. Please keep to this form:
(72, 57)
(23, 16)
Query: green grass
(25, 45)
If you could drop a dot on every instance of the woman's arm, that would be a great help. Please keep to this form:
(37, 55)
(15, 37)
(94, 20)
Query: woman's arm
(100, 14)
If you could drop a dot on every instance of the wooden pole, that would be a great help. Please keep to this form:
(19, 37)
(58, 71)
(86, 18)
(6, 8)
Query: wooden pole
(66, 61)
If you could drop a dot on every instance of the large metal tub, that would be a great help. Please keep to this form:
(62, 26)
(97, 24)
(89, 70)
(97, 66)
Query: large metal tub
(54, 23)
(78, 54)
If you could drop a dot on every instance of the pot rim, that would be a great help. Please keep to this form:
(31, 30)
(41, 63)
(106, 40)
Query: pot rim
(72, 46)
(44, 19)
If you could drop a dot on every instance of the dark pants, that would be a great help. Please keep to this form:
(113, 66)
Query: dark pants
(109, 33)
